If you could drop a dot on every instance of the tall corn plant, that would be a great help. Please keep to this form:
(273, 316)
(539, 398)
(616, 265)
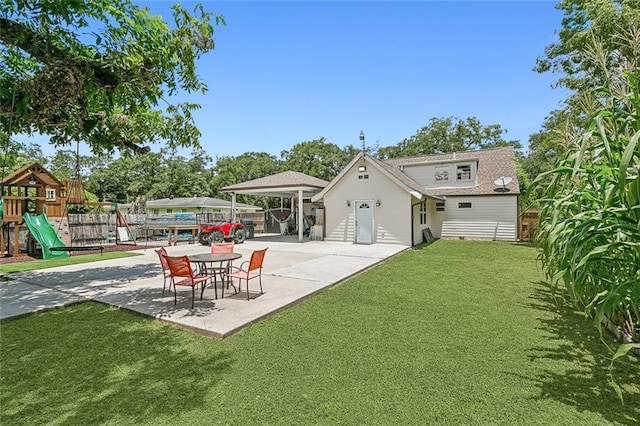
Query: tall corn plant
(589, 229)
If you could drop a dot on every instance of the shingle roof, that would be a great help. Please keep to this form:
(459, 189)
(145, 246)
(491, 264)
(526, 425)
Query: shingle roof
(194, 202)
(30, 171)
(402, 177)
(279, 180)
(492, 164)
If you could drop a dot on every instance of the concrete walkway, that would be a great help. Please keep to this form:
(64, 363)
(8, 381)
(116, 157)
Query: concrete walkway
(292, 272)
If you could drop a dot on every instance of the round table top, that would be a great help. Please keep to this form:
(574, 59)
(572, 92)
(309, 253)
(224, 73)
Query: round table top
(211, 257)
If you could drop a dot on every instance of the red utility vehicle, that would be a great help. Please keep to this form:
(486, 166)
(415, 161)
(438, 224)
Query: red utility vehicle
(221, 231)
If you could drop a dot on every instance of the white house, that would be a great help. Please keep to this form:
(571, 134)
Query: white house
(455, 195)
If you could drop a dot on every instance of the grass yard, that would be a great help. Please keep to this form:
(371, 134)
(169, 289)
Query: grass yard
(71, 260)
(458, 332)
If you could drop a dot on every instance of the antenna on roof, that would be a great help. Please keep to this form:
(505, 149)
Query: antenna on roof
(504, 181)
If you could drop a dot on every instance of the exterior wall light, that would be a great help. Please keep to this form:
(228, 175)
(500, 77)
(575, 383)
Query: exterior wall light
(348, 203)
(377, 203)
(362, 168)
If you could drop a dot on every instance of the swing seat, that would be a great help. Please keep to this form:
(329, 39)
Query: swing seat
(78, 248)
(75, 192)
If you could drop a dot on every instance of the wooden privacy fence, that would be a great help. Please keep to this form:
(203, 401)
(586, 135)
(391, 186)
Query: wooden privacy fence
(528, 224)
(88, 229)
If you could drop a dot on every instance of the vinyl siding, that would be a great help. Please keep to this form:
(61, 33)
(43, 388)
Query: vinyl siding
(425, 174)
(431, 220)
(391, 220)
(490, 217)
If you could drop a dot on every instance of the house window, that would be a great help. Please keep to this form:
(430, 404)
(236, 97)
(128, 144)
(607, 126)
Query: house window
(464, 172)
(169, 210)
(442, 174)
(155, 211)
(439, 206)
(464, 205)
(423, 213)
(50, 194)
(363, 176)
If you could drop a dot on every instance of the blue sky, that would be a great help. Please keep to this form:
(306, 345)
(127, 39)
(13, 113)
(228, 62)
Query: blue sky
(287, 72)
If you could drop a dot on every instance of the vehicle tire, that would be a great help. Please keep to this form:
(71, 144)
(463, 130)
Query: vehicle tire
(217, 237)
(239, 236)
(204, 238)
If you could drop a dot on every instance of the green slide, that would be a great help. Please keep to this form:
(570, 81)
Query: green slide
(45, 235)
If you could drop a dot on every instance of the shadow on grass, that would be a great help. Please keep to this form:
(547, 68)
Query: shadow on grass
(586, 386)
(129, 369)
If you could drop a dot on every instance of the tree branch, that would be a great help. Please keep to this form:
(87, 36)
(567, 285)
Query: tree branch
(20, 35)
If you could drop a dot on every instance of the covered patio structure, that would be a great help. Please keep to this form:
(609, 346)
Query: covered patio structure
(295, 185)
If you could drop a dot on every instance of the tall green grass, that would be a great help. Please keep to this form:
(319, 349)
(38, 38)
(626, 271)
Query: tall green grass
(589, 229)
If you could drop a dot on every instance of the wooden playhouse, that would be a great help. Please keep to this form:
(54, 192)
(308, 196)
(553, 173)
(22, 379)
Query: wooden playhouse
(33, 189)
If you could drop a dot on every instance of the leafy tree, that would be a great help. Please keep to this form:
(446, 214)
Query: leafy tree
(68, 165)
(551, 143)
(449, 135)
(124, 178)
(17, 154)
(317, 158)
(96, 71)
(230, 170)
(584, 22)
(183, 177)
(581, 70)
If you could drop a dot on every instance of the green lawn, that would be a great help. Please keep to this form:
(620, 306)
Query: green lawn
(458, 332)
(72, 260)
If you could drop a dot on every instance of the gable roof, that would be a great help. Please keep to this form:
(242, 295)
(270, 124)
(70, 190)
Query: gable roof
(284, 179)
(32, 172)
(397, 176)
(492, 164)
(279, 185)
(198, 202)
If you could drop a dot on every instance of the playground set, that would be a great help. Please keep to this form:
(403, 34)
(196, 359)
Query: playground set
(33, 196)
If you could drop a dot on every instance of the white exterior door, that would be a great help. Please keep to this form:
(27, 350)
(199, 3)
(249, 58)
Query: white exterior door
(364, 222)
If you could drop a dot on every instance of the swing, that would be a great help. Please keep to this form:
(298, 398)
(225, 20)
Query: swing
(76, 196)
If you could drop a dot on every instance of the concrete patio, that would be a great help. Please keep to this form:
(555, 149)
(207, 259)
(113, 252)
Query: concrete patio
(293, 271)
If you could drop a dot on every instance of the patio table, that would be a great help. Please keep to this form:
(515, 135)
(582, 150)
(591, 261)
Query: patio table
(211, 258)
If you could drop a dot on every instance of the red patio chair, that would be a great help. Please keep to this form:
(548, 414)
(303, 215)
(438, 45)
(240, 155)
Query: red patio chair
(222, 247)
(180, 267)
(249, 270)
(162, 252)
(221, 270)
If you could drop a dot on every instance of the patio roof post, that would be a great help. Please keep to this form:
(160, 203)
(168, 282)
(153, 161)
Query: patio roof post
(300, 220)
(233, 206)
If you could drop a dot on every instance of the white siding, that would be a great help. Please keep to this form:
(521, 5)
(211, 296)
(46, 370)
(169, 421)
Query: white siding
(425, 174)
(490, 217)
(391, 220)
(431, 221)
